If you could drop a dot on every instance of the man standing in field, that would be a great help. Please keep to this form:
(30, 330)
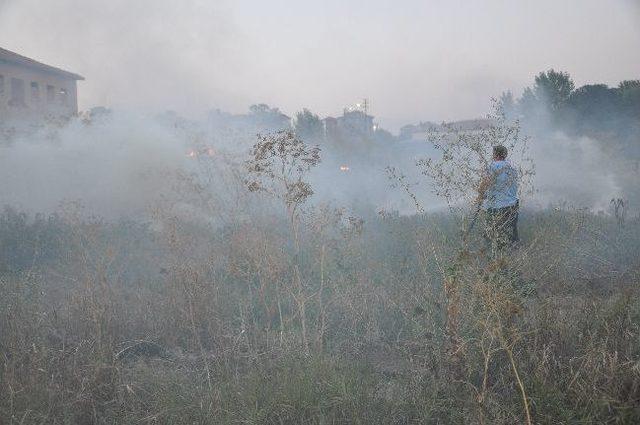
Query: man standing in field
(498, 197)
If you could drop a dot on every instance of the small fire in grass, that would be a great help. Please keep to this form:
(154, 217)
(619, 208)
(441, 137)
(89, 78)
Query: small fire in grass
(192, 153)
(344, 168)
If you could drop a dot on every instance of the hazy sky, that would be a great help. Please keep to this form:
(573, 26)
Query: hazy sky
(415, 60)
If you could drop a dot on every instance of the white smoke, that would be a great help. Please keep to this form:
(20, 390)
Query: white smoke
(115, 167)
(121, 164)
(575, 171)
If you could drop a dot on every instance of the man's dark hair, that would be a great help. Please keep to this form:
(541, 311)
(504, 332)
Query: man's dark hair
(500, 152)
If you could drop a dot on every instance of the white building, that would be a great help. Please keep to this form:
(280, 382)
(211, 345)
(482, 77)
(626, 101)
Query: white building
(33, 90)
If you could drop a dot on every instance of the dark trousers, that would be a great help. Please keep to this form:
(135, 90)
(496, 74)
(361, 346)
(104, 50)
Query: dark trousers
(501, 226)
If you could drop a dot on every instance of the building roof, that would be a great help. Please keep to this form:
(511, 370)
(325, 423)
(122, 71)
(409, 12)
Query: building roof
(16, 59)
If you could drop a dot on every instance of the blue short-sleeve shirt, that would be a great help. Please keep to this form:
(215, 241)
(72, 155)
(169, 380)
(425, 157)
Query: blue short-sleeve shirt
(503, 191)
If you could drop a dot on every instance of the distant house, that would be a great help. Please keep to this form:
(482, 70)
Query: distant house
(30, 89)
(352, 125)
(423, 130)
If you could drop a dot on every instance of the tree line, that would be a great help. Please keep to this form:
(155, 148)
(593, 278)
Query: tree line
(610, 115)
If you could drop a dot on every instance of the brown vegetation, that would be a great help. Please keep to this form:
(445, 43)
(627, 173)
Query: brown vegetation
(314, 316)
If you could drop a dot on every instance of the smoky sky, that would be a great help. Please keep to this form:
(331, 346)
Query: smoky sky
(415, 60)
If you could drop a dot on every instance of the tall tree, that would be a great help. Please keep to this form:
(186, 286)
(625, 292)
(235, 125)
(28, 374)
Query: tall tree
(507, 105)
(308, 126)
(529, 106)
(553, 88)
(629, 91)
(595, 108)
(629, 85)
(265, 117)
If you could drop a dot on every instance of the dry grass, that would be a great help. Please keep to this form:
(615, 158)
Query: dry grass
(216, 337)
(315, 317)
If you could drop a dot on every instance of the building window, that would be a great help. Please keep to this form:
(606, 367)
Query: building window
(17, 92)
(35, 92)
(51, 94)
(64, 97)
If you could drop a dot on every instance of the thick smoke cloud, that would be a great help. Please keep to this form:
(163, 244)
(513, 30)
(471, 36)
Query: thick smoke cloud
(574, 171)
(123, 164)
(415, 63)
(114, 168)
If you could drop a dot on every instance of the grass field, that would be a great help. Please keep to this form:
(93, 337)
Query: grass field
(380, 319)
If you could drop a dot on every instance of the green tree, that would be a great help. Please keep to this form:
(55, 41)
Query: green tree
(629, 85)
(553, 89)
(308, 126)
(268, 118)
(262, 109)
(507, 105)
(594, 108)
(629, 92)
